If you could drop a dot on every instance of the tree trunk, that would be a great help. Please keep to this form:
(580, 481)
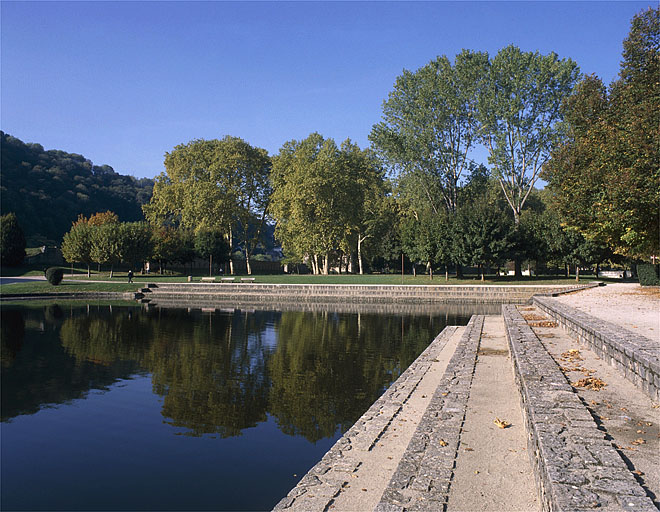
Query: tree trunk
(446, 272)
(112, 268)
(459, 271)
(577, 272)
(315, 264)
(247, 262)
(210, 265)
(481, 271)
(326, 264)
(430, 270)
(598, 270)
(518, 267)
(230, 238)
(567, 270)
(89, 271)
(359, 254)
(414, 270)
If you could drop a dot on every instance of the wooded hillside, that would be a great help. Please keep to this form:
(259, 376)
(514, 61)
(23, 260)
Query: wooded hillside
(49, 189)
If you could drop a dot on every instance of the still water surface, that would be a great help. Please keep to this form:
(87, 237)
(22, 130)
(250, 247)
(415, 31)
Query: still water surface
(125, 408)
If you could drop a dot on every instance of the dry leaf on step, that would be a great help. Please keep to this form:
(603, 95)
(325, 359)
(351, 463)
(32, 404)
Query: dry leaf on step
(501, 423)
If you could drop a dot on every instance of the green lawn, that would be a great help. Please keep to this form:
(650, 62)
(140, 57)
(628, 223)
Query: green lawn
(388, 279)
(37, 287)
(119, 281)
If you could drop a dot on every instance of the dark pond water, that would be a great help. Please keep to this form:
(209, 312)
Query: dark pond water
(124, 408)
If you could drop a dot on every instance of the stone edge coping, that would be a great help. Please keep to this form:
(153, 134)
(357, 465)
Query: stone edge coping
(325, 480)
(238, 284)
(636, 356)
(445, 310)
(130, 296)
(424, 474)
(575, 466)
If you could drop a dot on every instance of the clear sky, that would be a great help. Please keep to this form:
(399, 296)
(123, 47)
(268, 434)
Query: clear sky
(124, 82)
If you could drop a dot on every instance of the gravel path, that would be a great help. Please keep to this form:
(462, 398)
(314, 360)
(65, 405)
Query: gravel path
(627, 304)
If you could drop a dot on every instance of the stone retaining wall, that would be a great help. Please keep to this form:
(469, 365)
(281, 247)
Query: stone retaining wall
(576, 467)
(402, 294)
(636, 356)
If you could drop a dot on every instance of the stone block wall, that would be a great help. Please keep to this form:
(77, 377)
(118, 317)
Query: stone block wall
(635, 356)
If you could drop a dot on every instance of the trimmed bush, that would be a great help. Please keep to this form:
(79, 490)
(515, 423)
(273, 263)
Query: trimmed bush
(54, 275)
(649, 275)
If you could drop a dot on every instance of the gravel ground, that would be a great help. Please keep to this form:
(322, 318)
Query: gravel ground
(626, 304)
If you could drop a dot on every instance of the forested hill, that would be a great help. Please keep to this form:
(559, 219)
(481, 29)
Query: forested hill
(49, 189)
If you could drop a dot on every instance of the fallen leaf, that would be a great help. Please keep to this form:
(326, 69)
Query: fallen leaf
(638, 472)
(546, 323)
(501, 423)
(589, 383)
(641, 431)
(476, 472)
(593, 402)
(624, 409)
(638, 441)
(442, 442)
(469, 449)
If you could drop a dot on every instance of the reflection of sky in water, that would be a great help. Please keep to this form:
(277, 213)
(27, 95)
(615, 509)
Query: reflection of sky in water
(166, 409)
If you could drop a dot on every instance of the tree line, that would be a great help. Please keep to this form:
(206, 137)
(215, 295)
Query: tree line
(417, 191)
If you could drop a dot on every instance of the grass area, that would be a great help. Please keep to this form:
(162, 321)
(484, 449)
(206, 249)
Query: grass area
(37, 287)
(385, 279)
(80, 282)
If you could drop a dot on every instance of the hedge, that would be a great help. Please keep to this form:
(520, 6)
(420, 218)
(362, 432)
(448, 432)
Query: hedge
(649, 275)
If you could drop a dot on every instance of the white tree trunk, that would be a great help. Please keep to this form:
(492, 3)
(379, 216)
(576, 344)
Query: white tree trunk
(326, 264)
(359, 253)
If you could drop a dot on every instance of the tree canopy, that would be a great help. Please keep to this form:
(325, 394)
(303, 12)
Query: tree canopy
(606, 176)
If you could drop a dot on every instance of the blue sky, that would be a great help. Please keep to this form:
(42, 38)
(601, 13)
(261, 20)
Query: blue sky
(124, 82)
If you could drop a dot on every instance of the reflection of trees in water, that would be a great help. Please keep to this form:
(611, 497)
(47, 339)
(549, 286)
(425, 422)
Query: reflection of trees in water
(211, 372)
(12, 331)
(218, 373)
(328, 368)
(37, 371)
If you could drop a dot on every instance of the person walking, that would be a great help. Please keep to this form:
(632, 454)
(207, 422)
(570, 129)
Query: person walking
(130, 276)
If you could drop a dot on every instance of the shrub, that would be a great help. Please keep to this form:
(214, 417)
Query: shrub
(649, 275)
(54, 275)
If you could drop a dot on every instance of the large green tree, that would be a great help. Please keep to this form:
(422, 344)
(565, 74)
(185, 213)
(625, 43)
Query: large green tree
(318, 197)
(214, 184)
(606, 176)
(519, 115)
(12, 240)
(429, 127)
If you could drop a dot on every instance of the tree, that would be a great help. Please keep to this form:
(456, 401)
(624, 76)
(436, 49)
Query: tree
(77, 244)
(482, 235)
(429, 126)
(519, 117)
(213, 184)
(313, 203)
(136, 242)
(12, 240)
(606, 176)
(210, 243)
(106, 245)
(100, 218)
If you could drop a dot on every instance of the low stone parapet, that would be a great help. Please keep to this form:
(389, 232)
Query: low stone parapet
(576, 467)
(402, 294)
(636, 356)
